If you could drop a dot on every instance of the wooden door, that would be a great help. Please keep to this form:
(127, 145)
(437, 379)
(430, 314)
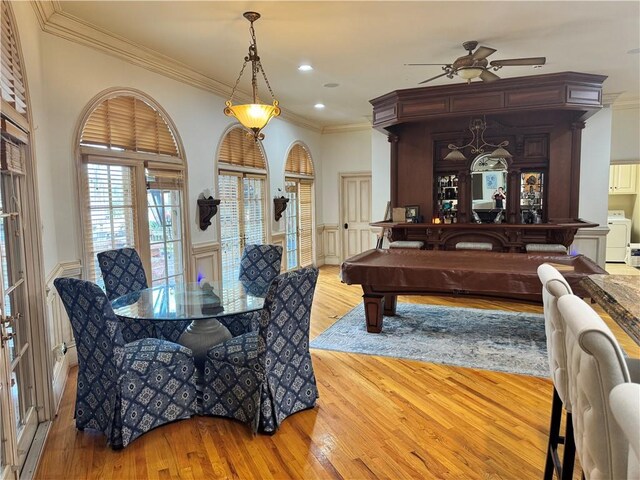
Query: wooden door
(356, 214)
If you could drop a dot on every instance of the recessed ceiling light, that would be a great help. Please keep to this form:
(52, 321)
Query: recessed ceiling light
(305, 68)
(331, 85)
(634, 51)
(319, 106)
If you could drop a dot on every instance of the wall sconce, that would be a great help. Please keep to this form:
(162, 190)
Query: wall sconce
(207, 208)
(279, 206)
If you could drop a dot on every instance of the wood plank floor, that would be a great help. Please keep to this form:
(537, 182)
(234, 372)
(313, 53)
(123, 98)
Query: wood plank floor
(376, 417)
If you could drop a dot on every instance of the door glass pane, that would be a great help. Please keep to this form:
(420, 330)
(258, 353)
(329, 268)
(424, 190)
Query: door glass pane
(13, 305)
(231, 247)
(253, 204)
(165, 235)
(291, 224)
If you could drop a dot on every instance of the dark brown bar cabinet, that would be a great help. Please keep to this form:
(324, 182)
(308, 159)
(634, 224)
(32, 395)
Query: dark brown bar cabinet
(537, 119)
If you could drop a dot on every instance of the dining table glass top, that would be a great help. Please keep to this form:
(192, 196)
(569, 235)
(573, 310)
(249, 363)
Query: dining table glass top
(188, 301)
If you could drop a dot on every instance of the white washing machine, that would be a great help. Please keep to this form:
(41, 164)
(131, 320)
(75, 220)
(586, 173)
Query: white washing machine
(618, 237)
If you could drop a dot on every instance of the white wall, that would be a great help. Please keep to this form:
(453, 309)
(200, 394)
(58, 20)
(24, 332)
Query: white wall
(29, 34)
(342, 152)
(594, 167)
(380, 174)
(72, 75)
(625, 142)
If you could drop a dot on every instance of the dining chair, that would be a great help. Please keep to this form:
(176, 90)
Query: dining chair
(263, 375)
(595, 365)
(624, 401)
(555, 286)
(123, 273)
(259, 265)
(123, 389)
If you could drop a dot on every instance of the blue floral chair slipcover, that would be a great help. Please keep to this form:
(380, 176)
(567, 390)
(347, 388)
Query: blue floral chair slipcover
(259, 265)
(123, 273)
(264, 375)
(124, 389)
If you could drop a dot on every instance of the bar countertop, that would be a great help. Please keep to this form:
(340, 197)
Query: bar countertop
(619, 296)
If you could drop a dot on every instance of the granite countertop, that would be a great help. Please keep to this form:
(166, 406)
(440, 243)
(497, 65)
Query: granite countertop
(619, 295)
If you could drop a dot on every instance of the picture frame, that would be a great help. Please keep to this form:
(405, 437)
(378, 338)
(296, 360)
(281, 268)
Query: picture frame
(411, 213)
(491, 180)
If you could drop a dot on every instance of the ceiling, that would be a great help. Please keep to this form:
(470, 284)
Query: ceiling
(363, 45)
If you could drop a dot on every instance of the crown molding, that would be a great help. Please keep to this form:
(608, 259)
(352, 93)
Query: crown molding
(631, 103)
(352, 127)
(55, 21)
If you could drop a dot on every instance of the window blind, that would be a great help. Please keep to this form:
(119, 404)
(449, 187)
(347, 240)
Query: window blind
(230, 241)
(12, 83)
(161, 177)
(111, 219)
(129, 123)
(253, 209)
(299, 161)
(241, 150)
(11, 157)
(306, 223)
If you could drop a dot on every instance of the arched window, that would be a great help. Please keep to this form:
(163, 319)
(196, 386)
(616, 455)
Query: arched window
(299, 176)
(132, 186)
(242, 177)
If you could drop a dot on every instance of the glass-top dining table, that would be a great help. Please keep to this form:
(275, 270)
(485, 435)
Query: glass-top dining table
(201, 304)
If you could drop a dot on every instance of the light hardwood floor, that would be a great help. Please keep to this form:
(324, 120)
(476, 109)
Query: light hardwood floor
(377, 417)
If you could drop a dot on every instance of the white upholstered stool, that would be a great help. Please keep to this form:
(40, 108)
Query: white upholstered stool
(474, 246)
(554, 286)
(416, 245)
(595, 365)
(624, 401)
(546, 248)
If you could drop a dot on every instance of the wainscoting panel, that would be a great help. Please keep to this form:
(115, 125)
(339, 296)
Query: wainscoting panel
(62, 346)
(319, 244)
(592, 243)
(206, 261)
(331, 239)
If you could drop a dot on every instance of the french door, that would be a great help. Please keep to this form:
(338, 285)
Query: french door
(242, 220)
(299, 223)
(18, 417)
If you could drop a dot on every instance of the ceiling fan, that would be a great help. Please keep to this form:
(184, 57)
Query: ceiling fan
(475, 64)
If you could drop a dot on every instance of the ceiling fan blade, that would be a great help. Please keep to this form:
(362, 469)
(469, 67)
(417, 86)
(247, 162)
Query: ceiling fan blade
(487, 76)
(514, 62)
(433, 78)
(482, 52)
(414, 64)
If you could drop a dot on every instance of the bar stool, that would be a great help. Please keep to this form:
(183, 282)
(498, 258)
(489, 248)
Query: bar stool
(555, 286)
(624, 401)
(595, 366)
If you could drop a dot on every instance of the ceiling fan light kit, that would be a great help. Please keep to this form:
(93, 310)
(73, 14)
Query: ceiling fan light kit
(255, 115)
(475, 64)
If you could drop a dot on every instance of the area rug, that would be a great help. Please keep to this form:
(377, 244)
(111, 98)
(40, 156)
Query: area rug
(467, 337)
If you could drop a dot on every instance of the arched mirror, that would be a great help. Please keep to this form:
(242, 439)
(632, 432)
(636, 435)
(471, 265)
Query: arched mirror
(488, 188)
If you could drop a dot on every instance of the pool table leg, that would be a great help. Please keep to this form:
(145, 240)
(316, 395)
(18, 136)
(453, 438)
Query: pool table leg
(390, 302)
(373, 312)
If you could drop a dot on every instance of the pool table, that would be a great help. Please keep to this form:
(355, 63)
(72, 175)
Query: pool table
(384, 274)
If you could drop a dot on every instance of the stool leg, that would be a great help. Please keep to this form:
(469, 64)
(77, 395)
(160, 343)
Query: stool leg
(554, 434)
(569, 450)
